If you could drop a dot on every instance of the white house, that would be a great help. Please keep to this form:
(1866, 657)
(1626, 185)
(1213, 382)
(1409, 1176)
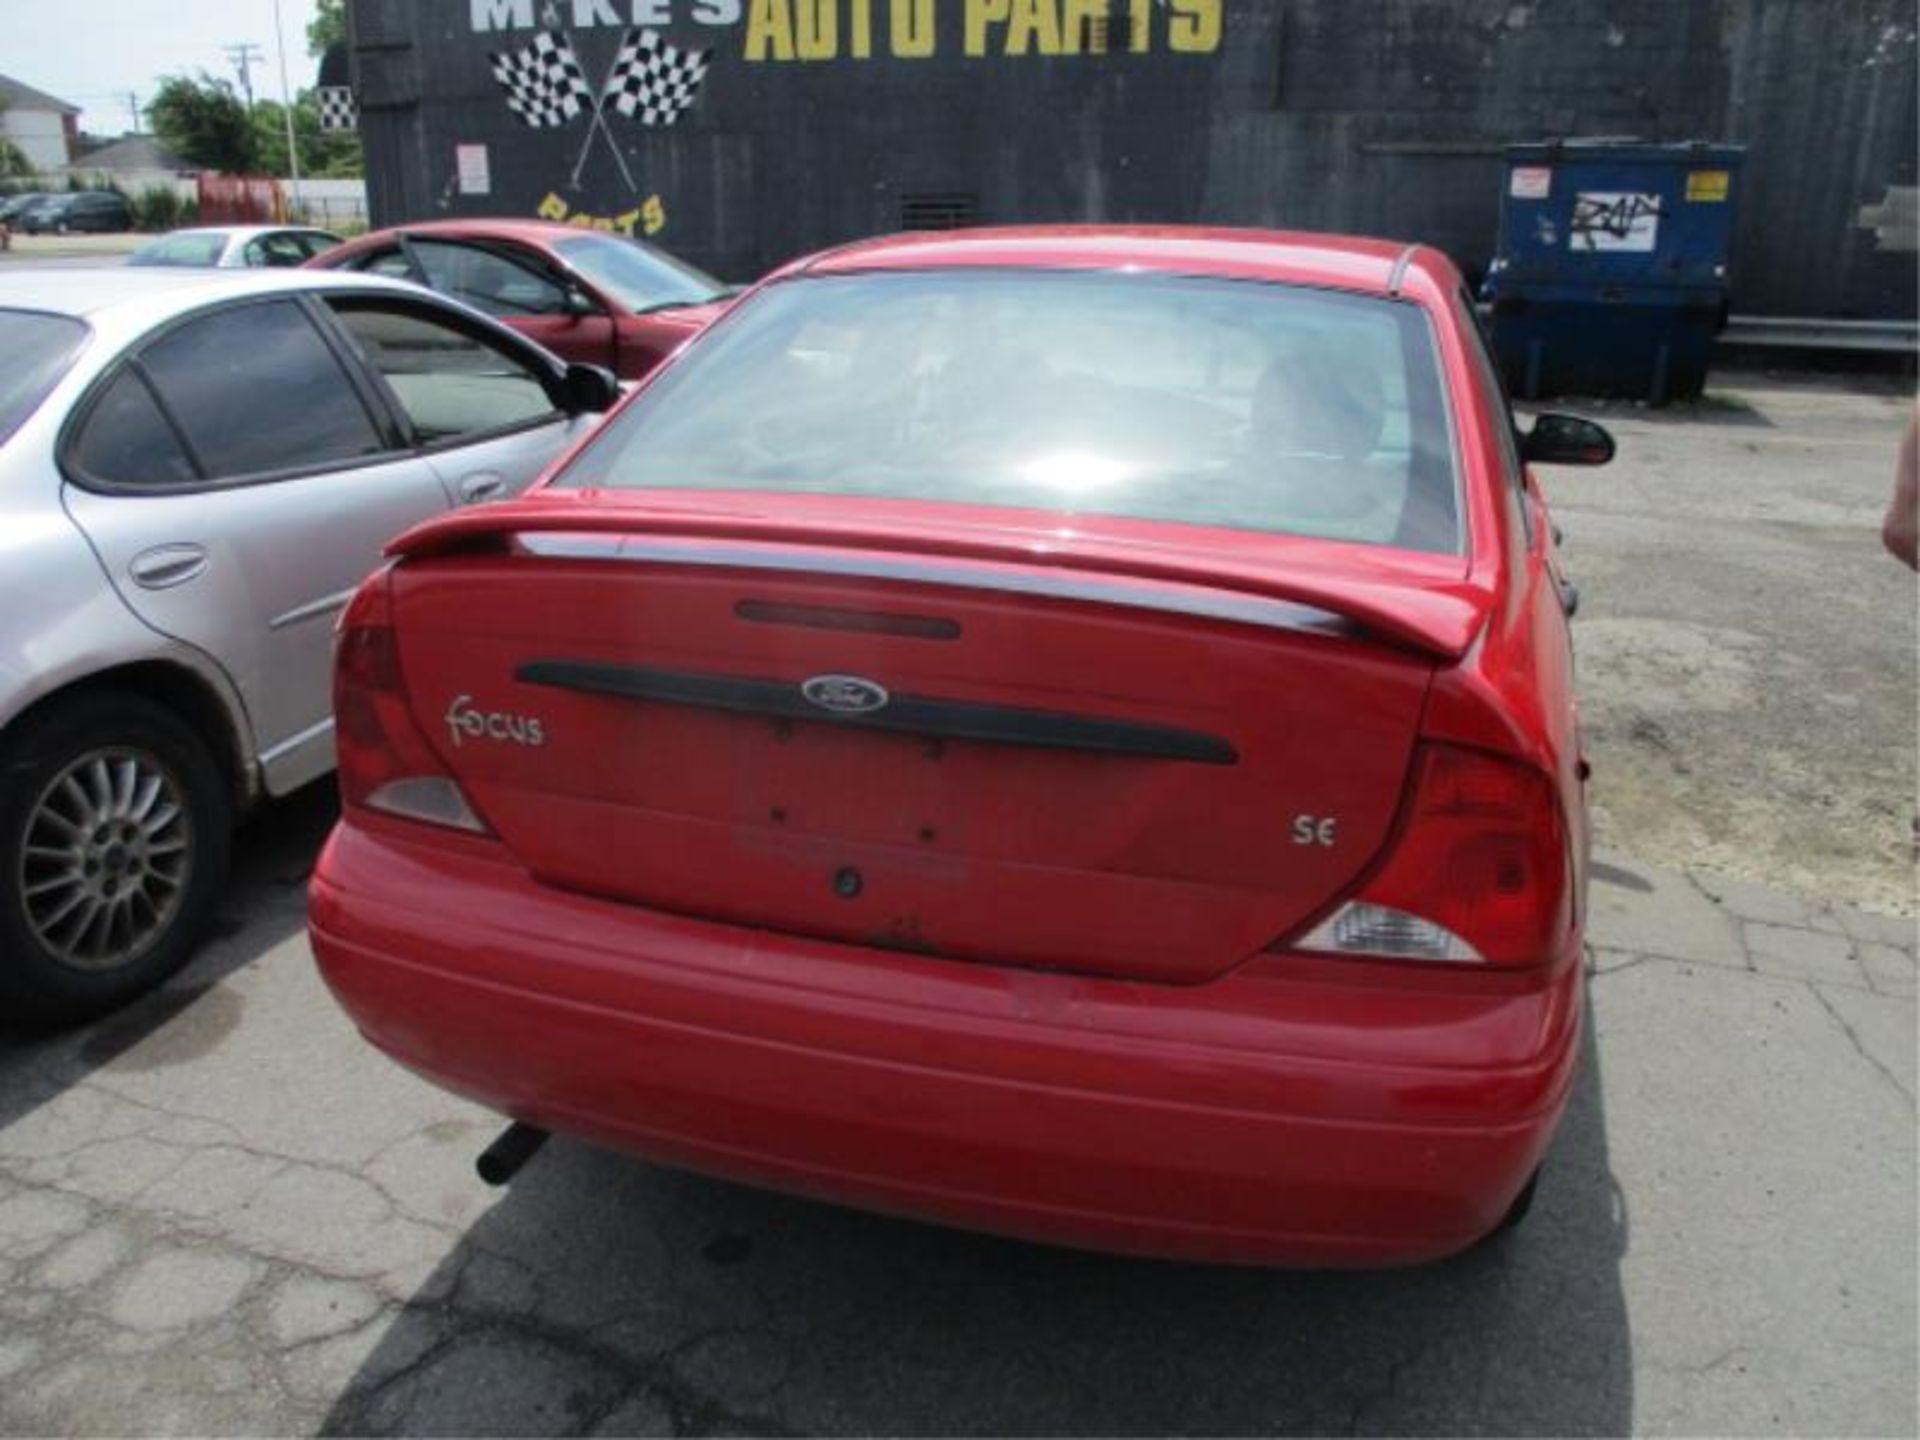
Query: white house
(44, 129)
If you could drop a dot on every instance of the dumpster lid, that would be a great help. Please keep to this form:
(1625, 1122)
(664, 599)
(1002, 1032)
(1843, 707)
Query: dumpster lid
(1624, 147)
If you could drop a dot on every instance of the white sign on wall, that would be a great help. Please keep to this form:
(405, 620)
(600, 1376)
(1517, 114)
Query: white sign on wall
(476, 175)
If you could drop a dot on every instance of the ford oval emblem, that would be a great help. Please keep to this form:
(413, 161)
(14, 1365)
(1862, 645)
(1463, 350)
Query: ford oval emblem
(845, 694)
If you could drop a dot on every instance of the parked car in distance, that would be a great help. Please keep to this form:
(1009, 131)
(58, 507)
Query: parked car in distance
(196, 469)
(1062, 731)
(102, 211)
(11, 206)
(584, 294)
(236, 247)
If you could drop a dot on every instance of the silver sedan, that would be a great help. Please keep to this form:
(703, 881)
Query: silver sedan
(235, 247)
(196, 469)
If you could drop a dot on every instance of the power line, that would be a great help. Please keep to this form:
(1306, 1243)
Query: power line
(243, 56)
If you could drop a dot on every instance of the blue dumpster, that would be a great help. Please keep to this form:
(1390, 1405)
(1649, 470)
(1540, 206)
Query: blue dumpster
(1611, 277)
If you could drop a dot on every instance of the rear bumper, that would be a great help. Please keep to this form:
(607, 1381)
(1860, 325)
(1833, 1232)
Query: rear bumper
(1269, 1117)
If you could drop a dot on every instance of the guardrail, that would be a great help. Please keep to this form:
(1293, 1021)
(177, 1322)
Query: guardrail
(1778, 332)
(1787, 332)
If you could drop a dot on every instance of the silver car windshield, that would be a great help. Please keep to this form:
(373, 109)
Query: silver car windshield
(39, 347)
(1246, 405)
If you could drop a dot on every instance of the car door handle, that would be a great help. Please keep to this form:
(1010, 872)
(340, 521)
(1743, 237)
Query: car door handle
(165, 566)
(484, 485)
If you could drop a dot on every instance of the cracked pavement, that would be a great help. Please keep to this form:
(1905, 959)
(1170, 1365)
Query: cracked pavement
(221, 1212)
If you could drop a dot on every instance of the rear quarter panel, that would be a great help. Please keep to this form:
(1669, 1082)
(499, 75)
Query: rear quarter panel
(61, 623)
(1514, 690)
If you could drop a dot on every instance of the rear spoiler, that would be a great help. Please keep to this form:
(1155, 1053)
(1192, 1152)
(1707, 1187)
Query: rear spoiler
(1438, 618)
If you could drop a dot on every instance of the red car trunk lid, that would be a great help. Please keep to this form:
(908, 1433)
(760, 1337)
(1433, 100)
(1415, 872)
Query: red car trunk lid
(1138, 784)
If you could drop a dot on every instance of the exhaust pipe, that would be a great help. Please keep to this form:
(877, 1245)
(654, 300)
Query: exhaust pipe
(502, 1160)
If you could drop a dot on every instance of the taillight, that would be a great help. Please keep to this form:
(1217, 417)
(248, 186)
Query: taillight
(385, 762)
(1478, 871)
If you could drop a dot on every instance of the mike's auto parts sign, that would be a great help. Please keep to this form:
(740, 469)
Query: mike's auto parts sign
(777, 31)
(597, 68)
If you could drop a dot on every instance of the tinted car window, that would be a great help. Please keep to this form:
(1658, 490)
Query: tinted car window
(488, 281)
(257, 390)
(449, 383)
(39, 348)
(99, 202)
(276, 250)
(1213, 402)
(125, 440)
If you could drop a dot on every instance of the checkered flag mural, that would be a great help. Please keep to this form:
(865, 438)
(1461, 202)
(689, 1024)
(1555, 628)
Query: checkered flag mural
(545, 85)
(337, 110)
(654, 81)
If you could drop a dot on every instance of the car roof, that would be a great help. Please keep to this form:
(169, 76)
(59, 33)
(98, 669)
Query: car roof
(484, 228)
(1345, 262)
(100, 292)
(238, 232)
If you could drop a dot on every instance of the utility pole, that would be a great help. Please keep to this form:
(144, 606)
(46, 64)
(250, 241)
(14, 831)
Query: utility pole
(133, 109)
(286, 105)
(243, 57)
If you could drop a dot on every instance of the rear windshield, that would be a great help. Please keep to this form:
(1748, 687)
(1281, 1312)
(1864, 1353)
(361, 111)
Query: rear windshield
(1194, 400)
(38, 349)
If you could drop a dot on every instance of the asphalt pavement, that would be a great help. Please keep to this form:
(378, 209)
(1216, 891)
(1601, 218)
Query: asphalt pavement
(70, 250)
(221, 1212)
(1748, 655)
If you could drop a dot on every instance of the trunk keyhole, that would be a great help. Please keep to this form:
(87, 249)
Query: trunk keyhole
(847, 882)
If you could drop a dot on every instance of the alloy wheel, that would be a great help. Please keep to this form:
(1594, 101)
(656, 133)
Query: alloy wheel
(106, 859)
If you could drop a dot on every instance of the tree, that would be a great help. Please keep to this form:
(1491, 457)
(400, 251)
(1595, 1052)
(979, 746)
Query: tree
(323, 154)
(328, 28)
(14, 164)
(204, 123)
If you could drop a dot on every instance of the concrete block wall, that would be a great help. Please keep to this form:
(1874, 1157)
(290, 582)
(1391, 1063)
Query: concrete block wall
(1376, 116)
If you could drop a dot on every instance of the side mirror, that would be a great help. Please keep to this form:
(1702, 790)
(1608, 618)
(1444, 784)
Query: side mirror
(1566, 440)
(588, 390)
(580, 304)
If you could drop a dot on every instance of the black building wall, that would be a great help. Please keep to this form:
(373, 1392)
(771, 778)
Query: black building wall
(1374, 116)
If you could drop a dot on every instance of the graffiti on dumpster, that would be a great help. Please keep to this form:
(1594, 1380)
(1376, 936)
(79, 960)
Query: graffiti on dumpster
(1614, 220)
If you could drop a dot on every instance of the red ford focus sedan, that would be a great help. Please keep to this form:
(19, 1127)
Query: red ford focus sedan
(1065, 732)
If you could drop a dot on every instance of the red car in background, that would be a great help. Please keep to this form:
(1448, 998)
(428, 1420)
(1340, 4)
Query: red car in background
(1067, 732)
(585, 295)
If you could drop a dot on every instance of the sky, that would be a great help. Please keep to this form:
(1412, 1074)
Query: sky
(91, 55)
